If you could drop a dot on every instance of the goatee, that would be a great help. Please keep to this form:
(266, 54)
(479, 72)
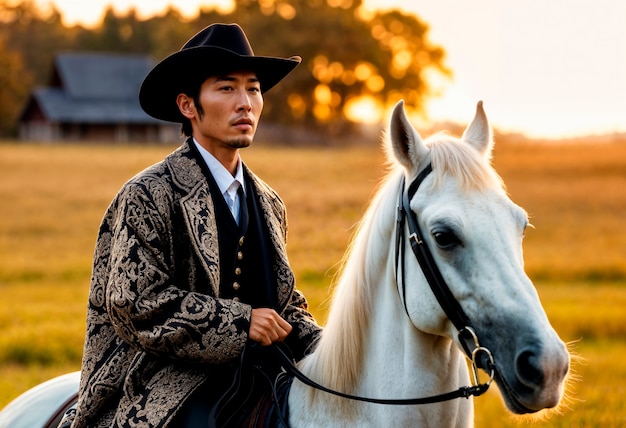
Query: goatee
(240, 143)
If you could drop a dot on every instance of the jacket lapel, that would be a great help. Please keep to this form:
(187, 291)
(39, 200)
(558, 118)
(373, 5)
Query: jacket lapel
(197, 209)
(274, 216)
(199, 217)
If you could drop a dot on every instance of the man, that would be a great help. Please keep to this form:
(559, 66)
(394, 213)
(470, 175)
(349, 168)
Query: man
(190, 264)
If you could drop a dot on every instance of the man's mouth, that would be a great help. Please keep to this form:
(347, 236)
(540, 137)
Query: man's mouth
(244, 124)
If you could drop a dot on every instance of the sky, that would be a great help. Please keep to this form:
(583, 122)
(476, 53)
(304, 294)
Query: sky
(545, 68)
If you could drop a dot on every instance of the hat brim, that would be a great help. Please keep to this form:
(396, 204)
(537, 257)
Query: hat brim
(179, 71)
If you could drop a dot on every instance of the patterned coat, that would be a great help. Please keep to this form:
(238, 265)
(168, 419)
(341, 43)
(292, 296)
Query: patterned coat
(156, 326)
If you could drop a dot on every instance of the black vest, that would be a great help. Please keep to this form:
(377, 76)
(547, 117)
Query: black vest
(246, 256)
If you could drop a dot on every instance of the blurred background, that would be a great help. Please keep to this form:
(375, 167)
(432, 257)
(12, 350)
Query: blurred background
(546, 69)
(552, 75)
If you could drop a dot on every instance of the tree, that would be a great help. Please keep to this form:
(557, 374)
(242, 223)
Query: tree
(37, 35)
(122, 33)
(28, 40)
(349, 59)
(355, 64)
(14, 85)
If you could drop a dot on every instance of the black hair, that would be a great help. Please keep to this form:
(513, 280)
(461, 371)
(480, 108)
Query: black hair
(194, 92)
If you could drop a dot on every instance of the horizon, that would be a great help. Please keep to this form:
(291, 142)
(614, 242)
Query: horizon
(537, 73)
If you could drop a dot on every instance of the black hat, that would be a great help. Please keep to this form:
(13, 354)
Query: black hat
(219, 48)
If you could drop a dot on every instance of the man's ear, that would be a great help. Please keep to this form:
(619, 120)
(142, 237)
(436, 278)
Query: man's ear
(186, 106)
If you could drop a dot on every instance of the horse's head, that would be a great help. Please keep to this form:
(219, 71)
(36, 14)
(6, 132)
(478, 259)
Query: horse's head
(474, 232)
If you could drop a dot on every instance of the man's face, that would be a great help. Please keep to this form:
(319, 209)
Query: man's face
(231, 106)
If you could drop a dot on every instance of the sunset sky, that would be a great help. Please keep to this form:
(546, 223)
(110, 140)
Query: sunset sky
(547, 68)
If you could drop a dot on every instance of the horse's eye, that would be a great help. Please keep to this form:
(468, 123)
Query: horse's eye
(446, 240)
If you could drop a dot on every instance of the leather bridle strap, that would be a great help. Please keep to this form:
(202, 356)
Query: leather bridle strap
(462, 392)
(447, 301)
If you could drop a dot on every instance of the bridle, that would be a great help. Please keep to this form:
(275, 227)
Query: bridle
(479, 356)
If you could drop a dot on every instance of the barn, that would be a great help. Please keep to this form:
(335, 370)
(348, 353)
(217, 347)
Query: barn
(93, 97)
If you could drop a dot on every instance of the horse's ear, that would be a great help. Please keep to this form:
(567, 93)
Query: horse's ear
(478, 133)
(406, 143)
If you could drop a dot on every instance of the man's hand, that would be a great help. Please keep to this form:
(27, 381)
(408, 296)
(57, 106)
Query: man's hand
(267, 327)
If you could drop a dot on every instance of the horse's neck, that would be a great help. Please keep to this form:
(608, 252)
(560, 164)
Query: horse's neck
(398, 361)
(407, 361)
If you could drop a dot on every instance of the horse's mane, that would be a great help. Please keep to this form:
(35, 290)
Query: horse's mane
(453, 157)
(338, 356)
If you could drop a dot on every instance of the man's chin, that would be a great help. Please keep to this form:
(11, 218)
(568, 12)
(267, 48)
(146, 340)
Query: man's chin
(241, 142)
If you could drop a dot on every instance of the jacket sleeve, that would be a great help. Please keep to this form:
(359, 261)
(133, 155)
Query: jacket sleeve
(147, 309)
(305, 331)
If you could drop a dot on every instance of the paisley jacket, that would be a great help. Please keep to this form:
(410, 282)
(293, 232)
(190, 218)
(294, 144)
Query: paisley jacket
(156, 325)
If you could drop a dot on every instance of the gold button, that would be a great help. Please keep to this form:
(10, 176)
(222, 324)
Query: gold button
(237, 271)
(239, 255)
(236, 285)
(236, 299)
(242, 240)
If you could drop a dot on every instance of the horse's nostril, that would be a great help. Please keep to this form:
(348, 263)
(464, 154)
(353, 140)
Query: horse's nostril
(529, 369)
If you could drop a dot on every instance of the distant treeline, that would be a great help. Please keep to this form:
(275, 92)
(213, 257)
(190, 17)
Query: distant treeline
(348, 53)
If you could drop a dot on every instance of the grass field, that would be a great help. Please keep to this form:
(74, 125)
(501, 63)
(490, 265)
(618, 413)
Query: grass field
(53, 196)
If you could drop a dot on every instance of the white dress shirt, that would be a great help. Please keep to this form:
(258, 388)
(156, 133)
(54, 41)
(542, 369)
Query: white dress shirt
(227, 184)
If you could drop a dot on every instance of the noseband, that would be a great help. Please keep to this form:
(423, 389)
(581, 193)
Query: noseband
(479, 355)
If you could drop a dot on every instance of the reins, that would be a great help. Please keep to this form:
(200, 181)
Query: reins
(463, 392)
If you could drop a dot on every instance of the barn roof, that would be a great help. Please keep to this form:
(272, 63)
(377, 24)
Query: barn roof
(93, 88)
(102, 76)
(58, 106)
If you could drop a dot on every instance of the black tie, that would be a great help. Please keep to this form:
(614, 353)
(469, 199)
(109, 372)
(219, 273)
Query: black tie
(243, 211)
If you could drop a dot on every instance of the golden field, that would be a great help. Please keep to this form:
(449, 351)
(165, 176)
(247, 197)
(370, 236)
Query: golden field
(53, 196)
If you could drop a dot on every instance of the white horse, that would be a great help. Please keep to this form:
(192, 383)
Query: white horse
(376, 345)
(387, 336)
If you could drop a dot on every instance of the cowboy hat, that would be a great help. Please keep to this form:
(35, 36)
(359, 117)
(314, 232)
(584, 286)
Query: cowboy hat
(217, 49)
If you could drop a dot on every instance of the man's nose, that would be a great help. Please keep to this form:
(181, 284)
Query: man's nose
(243, 101)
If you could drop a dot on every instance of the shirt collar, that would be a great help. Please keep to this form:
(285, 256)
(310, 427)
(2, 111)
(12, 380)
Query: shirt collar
(222, 177)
